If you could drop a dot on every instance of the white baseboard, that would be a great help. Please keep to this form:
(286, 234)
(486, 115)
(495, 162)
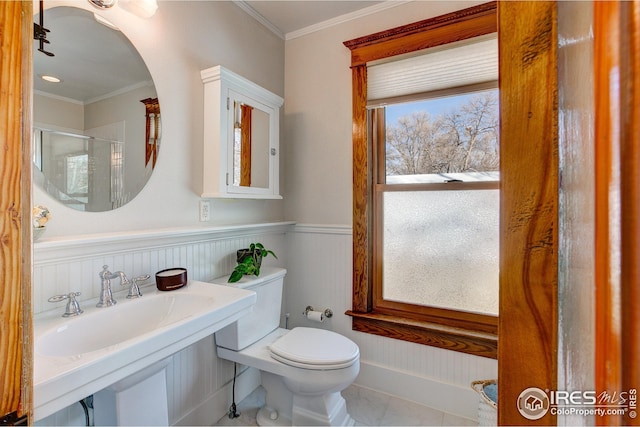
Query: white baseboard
(217, 404)
(449, 398)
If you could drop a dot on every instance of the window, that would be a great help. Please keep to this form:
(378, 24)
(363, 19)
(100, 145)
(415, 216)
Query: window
(426, 182)
(438, 244)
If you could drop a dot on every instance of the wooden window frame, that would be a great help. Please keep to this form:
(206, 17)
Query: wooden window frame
(450, 329)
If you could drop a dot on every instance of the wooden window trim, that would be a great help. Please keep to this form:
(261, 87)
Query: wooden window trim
(435, 327)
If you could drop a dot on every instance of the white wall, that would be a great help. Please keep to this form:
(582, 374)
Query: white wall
(67, 115)
(182, 38)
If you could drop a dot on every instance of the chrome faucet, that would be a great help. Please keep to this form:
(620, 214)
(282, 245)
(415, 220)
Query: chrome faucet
(134, 289)
(73, 308)
(106, 296)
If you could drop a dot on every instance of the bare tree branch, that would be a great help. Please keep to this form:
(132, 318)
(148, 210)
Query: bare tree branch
(461, 140)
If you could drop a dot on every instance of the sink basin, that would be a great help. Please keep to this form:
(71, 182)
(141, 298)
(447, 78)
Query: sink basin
(78, 356)
(122, 322)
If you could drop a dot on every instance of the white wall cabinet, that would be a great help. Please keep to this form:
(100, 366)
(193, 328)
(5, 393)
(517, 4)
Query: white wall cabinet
(241, 137)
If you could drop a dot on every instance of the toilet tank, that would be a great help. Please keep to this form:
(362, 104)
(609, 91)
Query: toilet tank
(265, 316)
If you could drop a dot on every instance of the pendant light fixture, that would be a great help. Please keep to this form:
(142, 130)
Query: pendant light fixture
(40, 32)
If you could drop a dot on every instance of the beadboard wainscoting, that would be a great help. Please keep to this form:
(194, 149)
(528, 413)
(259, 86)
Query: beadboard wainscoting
(319, 266)
(318, 262)
(198, 383)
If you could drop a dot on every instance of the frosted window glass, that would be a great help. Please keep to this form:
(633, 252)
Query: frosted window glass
(441, 249)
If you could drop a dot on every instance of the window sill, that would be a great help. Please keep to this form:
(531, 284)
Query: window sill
(433, 334)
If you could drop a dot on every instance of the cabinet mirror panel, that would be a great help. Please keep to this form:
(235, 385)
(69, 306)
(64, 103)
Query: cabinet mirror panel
(250, 146)
(97, 131)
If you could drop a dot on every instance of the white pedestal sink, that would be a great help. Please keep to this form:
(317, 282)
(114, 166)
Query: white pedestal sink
(76, 357)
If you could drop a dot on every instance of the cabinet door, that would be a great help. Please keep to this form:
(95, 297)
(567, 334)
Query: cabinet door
(253, 146)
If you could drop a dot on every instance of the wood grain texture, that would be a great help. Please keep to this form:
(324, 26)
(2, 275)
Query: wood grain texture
(361, 193)
(26, 251)
(529, 205)
(459, 25)
(607, 179)
(617, 135)
(245, 145)
(15, 209)
(433, 334)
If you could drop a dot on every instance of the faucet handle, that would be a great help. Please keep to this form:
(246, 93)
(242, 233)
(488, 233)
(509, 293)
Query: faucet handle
(105, 271)
(134, 290)
(73, 308)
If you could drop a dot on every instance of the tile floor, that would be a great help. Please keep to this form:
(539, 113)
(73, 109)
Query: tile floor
(367, 407)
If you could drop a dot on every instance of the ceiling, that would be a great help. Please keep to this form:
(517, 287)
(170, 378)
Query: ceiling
(291, 16)
(99, 59)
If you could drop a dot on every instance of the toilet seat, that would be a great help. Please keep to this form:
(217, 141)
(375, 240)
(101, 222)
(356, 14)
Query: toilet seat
(316, 349)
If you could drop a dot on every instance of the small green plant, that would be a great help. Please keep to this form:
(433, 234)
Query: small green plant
(249, 261)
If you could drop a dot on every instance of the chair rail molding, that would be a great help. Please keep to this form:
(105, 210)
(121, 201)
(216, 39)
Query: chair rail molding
(87, 246)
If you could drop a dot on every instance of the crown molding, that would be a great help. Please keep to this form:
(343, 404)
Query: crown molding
(346, 18)
(242, 4)
(261, 19)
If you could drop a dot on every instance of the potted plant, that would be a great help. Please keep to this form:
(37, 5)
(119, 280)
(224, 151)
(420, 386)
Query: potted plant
(249, 261)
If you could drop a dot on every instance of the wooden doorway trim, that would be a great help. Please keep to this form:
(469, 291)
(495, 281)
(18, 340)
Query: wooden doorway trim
(527, 330)
(630, 189)
(16, 26)
(617, 136)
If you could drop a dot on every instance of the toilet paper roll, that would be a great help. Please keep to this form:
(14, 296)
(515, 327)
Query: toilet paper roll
(316, 316)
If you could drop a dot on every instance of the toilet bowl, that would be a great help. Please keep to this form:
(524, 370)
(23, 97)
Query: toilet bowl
(301, 389)
(303, 370)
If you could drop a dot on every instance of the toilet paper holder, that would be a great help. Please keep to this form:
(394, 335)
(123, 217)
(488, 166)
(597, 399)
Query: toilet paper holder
(327, 312)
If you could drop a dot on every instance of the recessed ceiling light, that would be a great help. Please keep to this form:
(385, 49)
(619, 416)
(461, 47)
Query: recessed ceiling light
(51, 79)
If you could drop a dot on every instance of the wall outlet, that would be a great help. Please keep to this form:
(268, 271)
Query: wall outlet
(205, 210)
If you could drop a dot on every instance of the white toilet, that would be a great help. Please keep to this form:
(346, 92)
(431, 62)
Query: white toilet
(303, 369)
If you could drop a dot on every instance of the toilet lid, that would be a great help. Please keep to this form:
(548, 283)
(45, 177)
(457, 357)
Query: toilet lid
(312, 348)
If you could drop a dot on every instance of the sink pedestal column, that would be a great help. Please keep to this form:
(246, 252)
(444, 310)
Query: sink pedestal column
(138, 400)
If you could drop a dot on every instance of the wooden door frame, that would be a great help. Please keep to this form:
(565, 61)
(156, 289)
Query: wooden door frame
(528, 320)
(617, 176)
(16, 26)
(527, 350)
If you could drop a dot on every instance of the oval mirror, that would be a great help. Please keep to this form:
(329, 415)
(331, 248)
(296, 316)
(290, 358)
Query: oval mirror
(96, 130)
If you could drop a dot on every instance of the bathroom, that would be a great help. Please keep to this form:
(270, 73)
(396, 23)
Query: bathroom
(230, 37)
(151, 233)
